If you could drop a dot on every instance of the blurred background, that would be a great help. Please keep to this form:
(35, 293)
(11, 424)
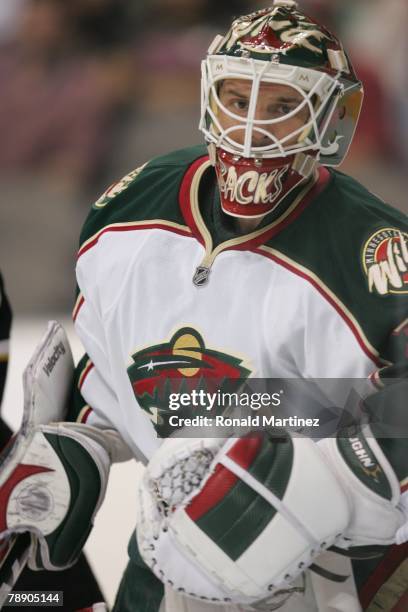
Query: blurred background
(90, 89)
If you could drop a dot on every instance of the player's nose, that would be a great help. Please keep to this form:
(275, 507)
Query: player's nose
(261, 133)
(261, 138)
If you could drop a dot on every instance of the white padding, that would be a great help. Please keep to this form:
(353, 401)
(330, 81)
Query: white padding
(313, 511)
(375, 519)
(47, 379)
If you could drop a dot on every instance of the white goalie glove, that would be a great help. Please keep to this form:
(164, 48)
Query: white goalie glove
(240, 519)
(53, 475)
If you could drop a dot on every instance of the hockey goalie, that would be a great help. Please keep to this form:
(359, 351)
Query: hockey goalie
(249, 256)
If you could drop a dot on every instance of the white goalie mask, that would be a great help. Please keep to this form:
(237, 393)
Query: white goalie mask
(278, 95)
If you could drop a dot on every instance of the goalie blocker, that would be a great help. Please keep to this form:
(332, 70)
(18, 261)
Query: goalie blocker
(53, 475)
(240, 520)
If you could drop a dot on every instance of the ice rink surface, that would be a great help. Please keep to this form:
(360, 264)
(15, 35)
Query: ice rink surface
(106, 548)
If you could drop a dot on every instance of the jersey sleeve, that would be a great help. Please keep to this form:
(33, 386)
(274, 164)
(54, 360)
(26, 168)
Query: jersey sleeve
(93, 395)
(103, 313)
(98, 403)
(86, 392)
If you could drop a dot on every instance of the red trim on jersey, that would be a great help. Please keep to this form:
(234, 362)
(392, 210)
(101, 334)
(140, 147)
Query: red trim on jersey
(141, 225)
(404, 488)
(78, 308)
(329, 299)
(222, 480)
(184, 196)
(384, 570)
(86, 415)
(84, 374)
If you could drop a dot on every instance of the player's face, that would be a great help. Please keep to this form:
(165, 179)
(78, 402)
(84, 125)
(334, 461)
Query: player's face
(274, 101)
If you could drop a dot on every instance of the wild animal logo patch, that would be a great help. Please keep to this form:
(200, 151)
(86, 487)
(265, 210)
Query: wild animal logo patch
(117, 188)
(180, 366)
(385, 261)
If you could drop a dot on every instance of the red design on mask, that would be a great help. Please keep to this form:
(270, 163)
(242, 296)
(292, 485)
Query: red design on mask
(251, 188)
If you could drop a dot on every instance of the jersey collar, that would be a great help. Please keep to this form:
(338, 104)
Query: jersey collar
(189, 195)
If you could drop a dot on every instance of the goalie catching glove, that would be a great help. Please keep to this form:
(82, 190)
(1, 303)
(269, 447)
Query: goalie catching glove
(53, 475)
(240, 519)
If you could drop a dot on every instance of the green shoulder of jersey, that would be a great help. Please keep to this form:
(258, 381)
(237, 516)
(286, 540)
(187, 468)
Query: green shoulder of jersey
(149, 192)
(354, 247)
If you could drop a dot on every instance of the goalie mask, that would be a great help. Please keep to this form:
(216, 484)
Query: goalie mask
(278, 95)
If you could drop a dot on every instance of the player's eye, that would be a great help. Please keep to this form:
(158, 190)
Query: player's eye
(280, 110)
(285, 109)
(239, 105)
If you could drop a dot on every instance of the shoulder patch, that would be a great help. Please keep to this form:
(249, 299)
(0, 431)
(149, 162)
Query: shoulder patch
(118, 187)
(385, 261)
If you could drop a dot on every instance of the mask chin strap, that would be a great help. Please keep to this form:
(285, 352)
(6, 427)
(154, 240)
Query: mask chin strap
(212, 152)
(304, 164)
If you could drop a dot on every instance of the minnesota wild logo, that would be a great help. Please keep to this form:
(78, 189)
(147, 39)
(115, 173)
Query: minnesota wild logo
(385, 261)
(277, 30)
(182, 365)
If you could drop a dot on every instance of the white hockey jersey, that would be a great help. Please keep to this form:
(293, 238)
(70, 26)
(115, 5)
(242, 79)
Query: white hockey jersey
(167, 287)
